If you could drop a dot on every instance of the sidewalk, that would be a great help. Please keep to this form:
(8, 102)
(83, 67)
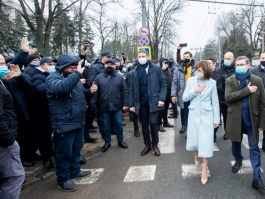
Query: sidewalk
(90, 150)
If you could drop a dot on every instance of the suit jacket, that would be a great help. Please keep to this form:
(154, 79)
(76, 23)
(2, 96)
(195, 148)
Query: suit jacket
(256, 100)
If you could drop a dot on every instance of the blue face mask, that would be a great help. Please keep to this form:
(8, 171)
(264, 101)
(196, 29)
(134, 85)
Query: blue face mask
(199, 75)
(241, 70)
(227, 63)
(35, 63)
(3, 71)
(51, 69)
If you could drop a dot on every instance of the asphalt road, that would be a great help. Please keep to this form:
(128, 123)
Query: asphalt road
(172, 175)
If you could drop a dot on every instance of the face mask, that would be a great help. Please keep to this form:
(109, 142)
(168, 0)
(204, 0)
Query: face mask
(241, 70)
(35, 63)
(227, 63)
(262, 63)
(109, 69)
(186, 61)
(51, 69)
(142, 61)
(3, 71)
(86, 64)
(199, 75)
(124, 70)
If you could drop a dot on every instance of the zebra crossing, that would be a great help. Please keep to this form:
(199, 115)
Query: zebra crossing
(167, 146)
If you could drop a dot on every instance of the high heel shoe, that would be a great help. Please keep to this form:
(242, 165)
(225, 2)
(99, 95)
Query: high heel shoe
(197, 163)
(204, 182)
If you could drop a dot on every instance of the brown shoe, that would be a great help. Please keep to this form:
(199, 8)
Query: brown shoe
(168, 125)
(156, 151)
(146, 150)
(161, 129)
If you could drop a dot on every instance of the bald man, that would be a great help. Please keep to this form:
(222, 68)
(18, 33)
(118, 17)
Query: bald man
(226, 70)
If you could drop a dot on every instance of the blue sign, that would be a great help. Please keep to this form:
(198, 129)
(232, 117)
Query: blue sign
(144, 41)
(147, 49)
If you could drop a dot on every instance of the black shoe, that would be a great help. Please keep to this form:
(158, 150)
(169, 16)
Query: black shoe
(183, 129)
(136, 133)
(82, 161)
(224, 137)
(90, 139)
(67, 186)
(113, 133)
(82, 174)
(161, 129)
(236, 167)
(122, 144)
(93, 131)
(47, 165)
(258, 184)
(28, 164)
(173, 116)
(105, 147)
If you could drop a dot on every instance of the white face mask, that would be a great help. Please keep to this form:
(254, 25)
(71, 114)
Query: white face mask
(199, 75)
(142, 60)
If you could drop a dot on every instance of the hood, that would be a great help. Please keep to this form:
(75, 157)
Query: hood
(64, 61)
(231, 67)
(161, 61)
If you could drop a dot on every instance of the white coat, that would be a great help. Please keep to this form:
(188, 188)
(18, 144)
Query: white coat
(203, 114)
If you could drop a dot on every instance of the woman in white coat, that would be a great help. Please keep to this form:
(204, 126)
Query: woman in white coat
(203, 115)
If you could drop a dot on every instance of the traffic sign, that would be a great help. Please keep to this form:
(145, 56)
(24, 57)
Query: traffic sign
(144, 31)
(147, 49)
(144, 41)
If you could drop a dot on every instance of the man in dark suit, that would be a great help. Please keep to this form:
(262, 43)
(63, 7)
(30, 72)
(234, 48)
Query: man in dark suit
(245, 95)
(260, 71)
(148, 90)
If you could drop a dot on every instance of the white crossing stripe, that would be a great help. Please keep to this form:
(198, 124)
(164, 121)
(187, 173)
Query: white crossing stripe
(95, 173)
(192, 171)
(167, 141)
(215, 147)
(246, 167)
(140, 173)
(245, 140)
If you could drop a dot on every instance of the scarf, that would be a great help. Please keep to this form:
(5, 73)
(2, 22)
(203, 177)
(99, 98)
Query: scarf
(243, 79)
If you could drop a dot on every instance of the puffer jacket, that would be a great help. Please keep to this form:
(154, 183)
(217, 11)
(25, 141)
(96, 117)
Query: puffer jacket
(179, 82)
(95, 70)
(66, 97)
(112, 93)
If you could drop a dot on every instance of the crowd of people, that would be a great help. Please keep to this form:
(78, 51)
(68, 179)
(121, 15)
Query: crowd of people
(50, 105)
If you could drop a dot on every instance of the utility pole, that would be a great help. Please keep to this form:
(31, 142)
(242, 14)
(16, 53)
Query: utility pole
(219, 48)
(262, 33)
(143, 12)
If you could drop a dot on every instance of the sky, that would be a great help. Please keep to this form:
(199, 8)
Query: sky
(198, 25)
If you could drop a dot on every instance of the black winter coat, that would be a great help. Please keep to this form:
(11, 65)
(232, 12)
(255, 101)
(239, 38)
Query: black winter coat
(20, 59)
(259, 72)
(95, 70)
(8, 119)
(218, 78)
(112, 93)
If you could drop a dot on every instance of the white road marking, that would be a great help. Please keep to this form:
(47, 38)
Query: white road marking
(245, 140)
(215, 147)
(140, 173)
(167, 141)
(246, 167)
(95, 173)
(192, 171)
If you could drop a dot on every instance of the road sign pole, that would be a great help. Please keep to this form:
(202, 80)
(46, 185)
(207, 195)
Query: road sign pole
(143, 12)
(219, 47)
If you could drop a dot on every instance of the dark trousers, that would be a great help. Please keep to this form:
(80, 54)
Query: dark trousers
(12, 173)
(224, 113)
(174, 107)
(135, 119)
(186, 112)
(116, 117)
(164, 113)
(100, 124)
(182, 116)
(254, 152)
(88, 123)
(44, 136)
(147, 118)
(68, 146)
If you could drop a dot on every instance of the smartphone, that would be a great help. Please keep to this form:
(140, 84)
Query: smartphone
(184, 45)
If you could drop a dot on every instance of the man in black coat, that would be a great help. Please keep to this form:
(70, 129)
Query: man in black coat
(12, 173)
(260, 72)
(148, 90)
(110, 99)
(218, 78)
(226, 70)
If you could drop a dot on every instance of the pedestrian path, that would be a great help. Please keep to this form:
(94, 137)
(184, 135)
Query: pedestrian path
(245, 140)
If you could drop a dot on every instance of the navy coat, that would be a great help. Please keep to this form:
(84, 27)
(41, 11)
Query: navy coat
(157, 88)
(112, 93)
(96, 69)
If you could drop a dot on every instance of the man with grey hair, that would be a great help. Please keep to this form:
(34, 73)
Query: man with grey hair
(260, 71)
(226, 70)
(245, 114)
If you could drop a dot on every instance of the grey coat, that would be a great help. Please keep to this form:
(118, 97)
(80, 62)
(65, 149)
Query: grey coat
(179, 83)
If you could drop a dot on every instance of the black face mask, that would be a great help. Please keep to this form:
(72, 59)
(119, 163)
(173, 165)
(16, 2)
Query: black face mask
(109, 70)
(66, 73)
(262, 63)
(187, 61)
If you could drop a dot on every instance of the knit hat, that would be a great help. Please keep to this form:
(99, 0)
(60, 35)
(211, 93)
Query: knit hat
(31, 57)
